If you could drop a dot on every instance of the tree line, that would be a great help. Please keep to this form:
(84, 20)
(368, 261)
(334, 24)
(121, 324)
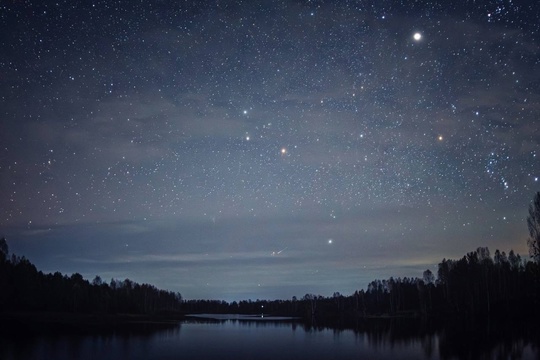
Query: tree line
(477, 284)
(24, 288)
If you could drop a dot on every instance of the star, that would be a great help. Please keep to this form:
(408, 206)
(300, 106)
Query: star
(417, 36)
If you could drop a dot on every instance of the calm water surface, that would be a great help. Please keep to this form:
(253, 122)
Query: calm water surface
(240, 339)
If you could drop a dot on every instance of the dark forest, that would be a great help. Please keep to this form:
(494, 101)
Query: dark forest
(477, 285)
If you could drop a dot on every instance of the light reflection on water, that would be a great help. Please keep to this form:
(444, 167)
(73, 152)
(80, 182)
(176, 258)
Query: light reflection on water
(240, 339)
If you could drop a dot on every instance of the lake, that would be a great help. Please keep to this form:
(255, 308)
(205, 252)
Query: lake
(245, 338)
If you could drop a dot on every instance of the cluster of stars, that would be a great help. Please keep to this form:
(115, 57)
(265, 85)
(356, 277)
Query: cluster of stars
(133, 111)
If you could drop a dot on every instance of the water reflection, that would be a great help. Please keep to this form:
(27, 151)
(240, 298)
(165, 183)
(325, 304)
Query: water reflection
(117, 342)
(197, 338)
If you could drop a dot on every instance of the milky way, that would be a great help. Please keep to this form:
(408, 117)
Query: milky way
(266, 149)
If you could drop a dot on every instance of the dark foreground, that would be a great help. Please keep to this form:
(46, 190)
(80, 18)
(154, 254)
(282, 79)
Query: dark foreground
(66, 336)
(46, 322)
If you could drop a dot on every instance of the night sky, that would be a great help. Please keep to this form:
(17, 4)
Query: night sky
(265, 149)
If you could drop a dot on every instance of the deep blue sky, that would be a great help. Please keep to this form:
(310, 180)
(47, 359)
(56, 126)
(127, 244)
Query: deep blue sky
(265, 149)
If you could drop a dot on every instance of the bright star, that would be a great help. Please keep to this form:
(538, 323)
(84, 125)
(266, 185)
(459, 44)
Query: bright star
(417, 36)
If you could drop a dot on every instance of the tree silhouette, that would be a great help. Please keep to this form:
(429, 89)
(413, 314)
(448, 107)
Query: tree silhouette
(533, 222)
(4, 250)
(474, 286)
(428, 277)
